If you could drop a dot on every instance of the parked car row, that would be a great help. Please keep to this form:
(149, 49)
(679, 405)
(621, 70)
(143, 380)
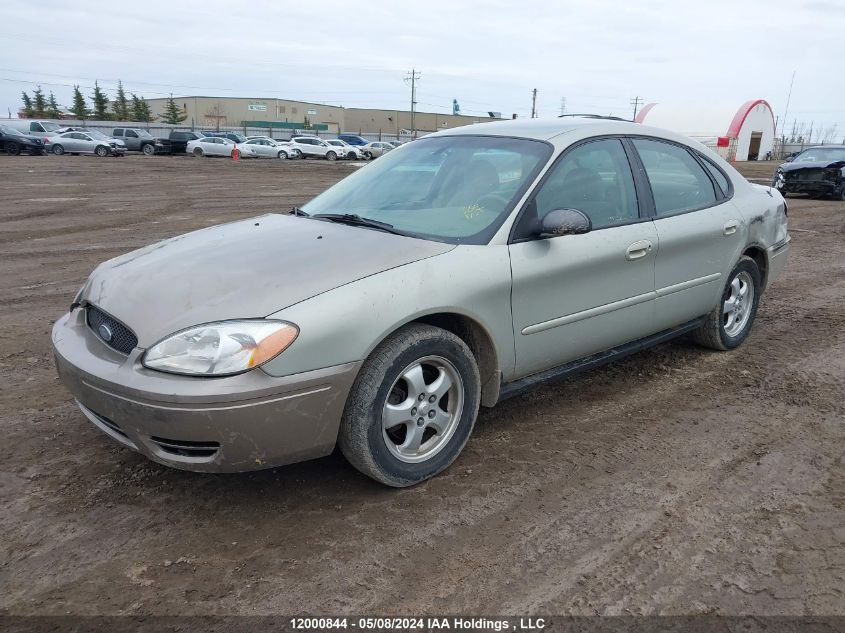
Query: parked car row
(38, 137)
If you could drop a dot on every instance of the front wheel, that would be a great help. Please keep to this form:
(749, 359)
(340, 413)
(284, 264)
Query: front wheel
(729, 324)
(331, 156)
(148, 149)
(412, 407)
(13, 149)
(281, 155)
(101, 151)
(198, 153)
(58, 150)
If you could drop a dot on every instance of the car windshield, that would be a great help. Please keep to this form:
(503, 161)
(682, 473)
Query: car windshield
(50, 127)
(143, 133)
(7, 130)
(239, 138)
(821, 155)
(456, 189)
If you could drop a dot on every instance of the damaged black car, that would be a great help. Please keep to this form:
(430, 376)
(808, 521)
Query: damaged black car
(817, 171)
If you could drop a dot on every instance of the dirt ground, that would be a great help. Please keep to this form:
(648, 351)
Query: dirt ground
(678, 481)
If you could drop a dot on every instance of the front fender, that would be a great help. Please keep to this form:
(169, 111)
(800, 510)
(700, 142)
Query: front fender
(347, 323)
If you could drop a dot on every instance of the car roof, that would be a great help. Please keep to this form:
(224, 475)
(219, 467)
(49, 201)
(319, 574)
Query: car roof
(545, 129)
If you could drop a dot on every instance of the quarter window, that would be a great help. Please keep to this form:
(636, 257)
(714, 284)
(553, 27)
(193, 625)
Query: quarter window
(678, 182)
(718, 176)
(594, 178)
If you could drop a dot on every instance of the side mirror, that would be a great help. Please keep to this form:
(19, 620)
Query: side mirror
(565, 222)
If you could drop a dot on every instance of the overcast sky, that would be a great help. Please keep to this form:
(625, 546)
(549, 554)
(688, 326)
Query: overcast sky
(598, 54)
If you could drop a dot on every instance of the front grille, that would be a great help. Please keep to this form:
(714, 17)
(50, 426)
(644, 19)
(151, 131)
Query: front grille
(111, 331)
(186, 448)
(804, 175)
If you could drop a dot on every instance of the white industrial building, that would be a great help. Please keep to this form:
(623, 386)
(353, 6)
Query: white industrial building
(744, 133)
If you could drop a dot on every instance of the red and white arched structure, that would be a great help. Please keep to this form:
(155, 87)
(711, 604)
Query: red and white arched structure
(738, 134)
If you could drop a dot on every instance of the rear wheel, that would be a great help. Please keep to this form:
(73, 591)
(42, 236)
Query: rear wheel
(729, 324)
(13, 149)
(198, 153)
(101, 151)
(412, 407)
(58, 150)
(148, 149)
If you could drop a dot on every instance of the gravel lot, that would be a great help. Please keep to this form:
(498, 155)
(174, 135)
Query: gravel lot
(678, 481)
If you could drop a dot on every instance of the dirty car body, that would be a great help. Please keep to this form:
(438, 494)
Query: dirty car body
(456, 271)
(817, 171)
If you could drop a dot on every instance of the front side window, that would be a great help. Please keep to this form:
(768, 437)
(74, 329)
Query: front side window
(458, 189)
(678, 182)
(594, 178)
(131, 134)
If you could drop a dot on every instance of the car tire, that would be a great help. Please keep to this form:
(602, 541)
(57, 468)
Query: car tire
(440, 423)
(729, 324)
(148, 149)
(281, 155)
(331, 156)
(13, 149)
(842, 190)
(102, 151)
(198, 153)
(58, 150)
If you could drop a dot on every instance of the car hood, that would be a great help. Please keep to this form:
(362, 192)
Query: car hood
(826, 164)
(245, 269)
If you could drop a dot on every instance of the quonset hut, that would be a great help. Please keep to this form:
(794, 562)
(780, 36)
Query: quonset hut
(747, 133)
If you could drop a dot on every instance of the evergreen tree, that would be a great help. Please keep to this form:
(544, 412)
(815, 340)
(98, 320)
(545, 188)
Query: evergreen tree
(121, 103)
(172, 114)
(140, 109)
(80, 108)
(28, 110)
(39, 103)
(53, 111)
(101, 103)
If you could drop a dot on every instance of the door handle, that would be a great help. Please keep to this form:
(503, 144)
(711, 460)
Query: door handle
(730, 227)
(637, 250)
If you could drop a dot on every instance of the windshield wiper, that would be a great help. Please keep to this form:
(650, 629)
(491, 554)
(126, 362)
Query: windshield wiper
(356, 220)
(298, 211)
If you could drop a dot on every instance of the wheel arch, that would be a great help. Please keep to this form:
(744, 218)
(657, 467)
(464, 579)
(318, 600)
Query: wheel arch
(480, 343)
(758, 254)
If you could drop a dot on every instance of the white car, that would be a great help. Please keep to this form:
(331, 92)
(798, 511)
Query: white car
(315, 147)
(88, 142)
(352, 152)
(265, 147)
(210, 146)
(377, 148)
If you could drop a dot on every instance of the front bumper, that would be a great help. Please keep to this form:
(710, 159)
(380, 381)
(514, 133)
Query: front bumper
(229, 424)
(811, 187)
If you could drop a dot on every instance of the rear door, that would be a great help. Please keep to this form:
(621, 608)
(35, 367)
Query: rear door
(699, 228)
(576, 295)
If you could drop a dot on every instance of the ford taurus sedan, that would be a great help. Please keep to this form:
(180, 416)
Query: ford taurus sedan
(458, 270)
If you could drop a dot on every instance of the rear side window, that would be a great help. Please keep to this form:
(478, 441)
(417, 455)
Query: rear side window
(678, 182)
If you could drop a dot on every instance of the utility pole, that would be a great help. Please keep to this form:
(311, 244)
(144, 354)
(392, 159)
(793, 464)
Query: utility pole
(412, 78)
(562, 106)
(636, 101)
(534, 103)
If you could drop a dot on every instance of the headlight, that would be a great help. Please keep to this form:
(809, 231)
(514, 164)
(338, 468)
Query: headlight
(779, 179)
(221, 349)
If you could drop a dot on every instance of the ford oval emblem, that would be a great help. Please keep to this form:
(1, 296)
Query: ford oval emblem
(105, 332)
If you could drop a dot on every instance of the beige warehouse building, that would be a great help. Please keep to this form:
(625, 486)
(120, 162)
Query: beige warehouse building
(217, 112)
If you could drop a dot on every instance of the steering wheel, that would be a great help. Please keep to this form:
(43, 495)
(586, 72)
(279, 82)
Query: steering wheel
(492, 196)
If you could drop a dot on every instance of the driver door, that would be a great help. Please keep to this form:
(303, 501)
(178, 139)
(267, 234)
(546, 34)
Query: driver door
(577, 295)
